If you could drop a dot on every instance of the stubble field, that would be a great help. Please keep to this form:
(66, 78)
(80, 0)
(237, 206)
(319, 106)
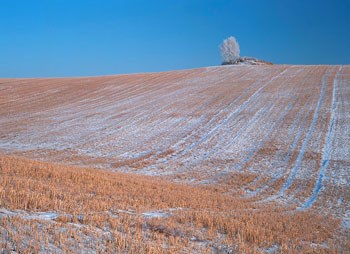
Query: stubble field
(247, 159)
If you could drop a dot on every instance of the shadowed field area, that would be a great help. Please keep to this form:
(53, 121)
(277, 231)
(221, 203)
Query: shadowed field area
(48, 207)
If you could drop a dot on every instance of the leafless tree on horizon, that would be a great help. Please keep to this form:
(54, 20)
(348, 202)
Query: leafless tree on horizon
(229, 50)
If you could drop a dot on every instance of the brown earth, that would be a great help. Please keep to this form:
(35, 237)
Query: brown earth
(272, 137)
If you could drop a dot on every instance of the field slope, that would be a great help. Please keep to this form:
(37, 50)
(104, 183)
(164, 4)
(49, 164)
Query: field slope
(270, 135)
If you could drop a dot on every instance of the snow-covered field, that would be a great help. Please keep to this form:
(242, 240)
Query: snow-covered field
(289, 126)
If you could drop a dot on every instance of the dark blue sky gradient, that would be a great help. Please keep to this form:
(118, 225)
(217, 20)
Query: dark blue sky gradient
(51, 38)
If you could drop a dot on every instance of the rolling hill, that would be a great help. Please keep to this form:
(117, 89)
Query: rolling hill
(268, 134)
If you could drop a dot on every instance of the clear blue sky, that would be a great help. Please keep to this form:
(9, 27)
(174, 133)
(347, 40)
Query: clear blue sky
(84, 37)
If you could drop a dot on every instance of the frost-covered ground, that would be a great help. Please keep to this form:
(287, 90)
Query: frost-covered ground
(288, 125)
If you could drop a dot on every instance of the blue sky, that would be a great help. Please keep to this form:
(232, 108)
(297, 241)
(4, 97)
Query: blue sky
(51, 38)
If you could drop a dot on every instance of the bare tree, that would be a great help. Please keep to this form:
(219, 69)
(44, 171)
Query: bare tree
(230, 50)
